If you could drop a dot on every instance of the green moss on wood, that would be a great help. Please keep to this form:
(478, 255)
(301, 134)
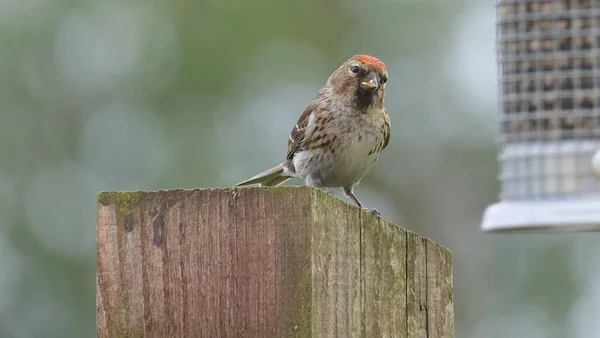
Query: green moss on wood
(304, 328)
(277, 190)
(122, 330)
(124, 201)
(123, 326)
(297, 316)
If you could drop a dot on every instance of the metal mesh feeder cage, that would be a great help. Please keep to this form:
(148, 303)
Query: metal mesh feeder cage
(549, 73)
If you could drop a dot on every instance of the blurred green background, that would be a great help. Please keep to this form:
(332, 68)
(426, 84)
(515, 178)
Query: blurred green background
(124, 95)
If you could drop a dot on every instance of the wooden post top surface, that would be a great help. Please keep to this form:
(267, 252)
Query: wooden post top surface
(290, 261)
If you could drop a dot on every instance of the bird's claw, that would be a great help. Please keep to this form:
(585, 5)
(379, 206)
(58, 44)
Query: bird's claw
(373, 212)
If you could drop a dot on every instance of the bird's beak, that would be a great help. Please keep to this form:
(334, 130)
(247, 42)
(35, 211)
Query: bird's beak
(369, 82)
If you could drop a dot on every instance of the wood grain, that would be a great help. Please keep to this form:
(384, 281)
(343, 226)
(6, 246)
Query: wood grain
(416, 286)
(440, 305)
(263, 262)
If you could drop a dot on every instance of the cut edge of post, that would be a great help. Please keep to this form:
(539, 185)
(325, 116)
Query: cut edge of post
(126, 201)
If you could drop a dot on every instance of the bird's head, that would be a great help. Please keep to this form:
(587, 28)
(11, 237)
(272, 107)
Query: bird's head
(361, 79)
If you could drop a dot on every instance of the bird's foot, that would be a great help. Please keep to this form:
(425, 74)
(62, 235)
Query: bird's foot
(373, 212)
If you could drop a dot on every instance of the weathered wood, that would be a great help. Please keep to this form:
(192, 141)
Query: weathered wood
(439, 289)
(263, 262)
(416, 285)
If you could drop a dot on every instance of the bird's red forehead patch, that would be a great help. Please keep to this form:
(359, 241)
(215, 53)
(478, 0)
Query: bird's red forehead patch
(371, 60)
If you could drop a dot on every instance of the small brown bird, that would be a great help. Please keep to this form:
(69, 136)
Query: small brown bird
(340, 134)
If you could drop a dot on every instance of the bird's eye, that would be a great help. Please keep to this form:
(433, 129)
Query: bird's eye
(355, 69)
(384, 79)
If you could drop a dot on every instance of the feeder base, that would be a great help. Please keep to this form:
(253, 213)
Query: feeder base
(559, 215)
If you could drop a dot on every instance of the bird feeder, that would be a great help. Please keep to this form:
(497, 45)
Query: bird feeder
(549, 81)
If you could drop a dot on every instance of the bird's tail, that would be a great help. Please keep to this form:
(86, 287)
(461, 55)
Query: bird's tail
(271, 177)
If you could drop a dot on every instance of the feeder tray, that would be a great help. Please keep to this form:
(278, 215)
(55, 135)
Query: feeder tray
(549, 73)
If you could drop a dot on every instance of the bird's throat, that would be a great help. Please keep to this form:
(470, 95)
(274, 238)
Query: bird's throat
(366, 98)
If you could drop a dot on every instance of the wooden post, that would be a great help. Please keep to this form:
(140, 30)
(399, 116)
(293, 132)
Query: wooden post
(263, 262)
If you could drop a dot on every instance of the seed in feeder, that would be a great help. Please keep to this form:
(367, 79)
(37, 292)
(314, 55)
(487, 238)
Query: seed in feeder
(565, 44)
(510, 107)
(587, 103)
(587, 82)
(512, 87)
(585, 43)
(518, 67)
(506, 67)
(546, 124)
(508, 9)
(517, 87)
(566, 126)
(522, 47)
(518, 125)
(560, 6)
(510, 67)
(566, 122)
(565, 63)
(518, 107)
(532, 108)
(547, 45)
(509, 47)
(532, 26)
(562, 24)
(543, 123)
(531, 86)
(504, 48)
(527, 132)
(582, 23)
(527, 106)
(533, 46)
(530, 66)
(509, 28)
(547, 64)
(533, 7)
(586, 63)
(547, 8)
(506, 88)
(567, 84)
(549, 126)
(546, 25)
(533, 126)
(548, 102)
(549, 84)
(566, 103)
(587, 123)
(586, 23)
(585, 4)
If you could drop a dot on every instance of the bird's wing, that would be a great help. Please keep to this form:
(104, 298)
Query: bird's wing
(386, 130)
(298, 134)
